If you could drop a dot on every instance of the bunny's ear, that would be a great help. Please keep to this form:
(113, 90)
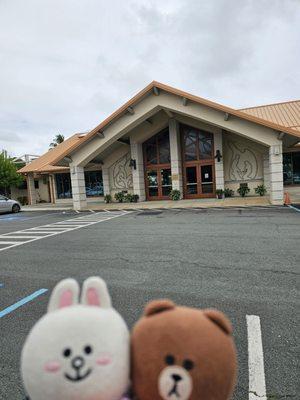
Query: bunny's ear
(95, 293)
(65, 294)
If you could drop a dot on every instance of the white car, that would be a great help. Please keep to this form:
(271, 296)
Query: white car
(8, 205)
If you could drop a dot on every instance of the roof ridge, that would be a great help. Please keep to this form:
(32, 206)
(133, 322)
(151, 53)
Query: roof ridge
(271, 104)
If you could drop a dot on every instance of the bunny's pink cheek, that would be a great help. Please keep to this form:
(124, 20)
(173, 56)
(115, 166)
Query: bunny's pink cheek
(104, 360)
(52, 366)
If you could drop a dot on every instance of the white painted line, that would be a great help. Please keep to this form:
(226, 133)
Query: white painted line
(7, 242)
(49, 233)
(257, 382)
(294, 208)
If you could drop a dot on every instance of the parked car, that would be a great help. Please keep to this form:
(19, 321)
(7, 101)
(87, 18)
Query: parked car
(8, 205)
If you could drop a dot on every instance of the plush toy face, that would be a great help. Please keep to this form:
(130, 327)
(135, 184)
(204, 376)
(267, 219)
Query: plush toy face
(78, 352)
(182, 353)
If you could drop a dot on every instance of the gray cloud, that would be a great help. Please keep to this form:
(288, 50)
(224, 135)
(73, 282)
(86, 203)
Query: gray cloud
(67, 64)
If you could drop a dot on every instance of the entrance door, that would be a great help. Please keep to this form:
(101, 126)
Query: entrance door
(198, 163)
(158, 176)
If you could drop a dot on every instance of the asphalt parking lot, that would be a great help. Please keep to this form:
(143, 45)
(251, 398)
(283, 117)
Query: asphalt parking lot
(243, 261)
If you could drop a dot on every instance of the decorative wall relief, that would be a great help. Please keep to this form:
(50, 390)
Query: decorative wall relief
(120, 173)
(243, 163)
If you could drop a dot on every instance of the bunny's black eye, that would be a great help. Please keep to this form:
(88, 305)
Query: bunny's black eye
(188, 364)
(170, 360)
(67, 352)
(88, 349)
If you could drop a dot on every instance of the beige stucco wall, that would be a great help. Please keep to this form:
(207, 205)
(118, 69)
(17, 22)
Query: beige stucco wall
(119, 171)
(42, 193)
(243, 162)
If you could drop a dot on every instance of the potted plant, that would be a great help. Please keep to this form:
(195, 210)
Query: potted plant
(261, 190)
(220, 193)
(107, 198)
(175, 194)
(120, 197)
(243, 190)
(135, 198)
(228, 192)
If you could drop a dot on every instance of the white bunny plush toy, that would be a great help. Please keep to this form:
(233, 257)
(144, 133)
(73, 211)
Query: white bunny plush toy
(77, 351)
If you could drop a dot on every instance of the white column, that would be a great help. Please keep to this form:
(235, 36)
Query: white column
(78, 187)
(175, 150)
(219, 166)
(105, 177)
(138, 179)
(31, 189)
(266, 171)
(276, 174)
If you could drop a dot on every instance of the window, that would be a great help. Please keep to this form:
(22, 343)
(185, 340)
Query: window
(198, 144)
(93, 183)
(157, 149)
(36, 184)
(291, 168)
(63, 186)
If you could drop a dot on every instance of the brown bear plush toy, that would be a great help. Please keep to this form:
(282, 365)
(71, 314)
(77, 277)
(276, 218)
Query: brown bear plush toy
(182, 353)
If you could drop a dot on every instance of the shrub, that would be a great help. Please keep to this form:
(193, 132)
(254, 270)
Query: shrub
(220, 193)
(107, 198)
(175, 195)
(120, 196)
(128, 198)
(261, 190)
(243, 190)
(228, 192)
(131, 198)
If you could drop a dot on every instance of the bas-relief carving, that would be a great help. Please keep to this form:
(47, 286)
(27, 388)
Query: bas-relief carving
(120, 174)
(243, 163)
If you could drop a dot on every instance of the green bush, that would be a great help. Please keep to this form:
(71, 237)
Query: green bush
(107, 198)
(175, 195)
(120, 196)
(131, 198)
(243, 190)
(228, 192)
(261, 190)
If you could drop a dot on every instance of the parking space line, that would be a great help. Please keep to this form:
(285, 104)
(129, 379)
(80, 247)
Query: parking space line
(22, 302)
(257, 382)
(49, 230)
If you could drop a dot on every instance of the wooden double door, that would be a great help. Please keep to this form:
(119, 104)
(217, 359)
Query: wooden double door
(198, 163)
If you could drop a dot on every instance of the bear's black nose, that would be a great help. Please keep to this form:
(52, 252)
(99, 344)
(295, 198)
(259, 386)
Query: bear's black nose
(176, 377)
(77, 362)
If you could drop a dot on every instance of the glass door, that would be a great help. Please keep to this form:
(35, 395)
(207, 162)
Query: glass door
(158, 177)
(198, 162)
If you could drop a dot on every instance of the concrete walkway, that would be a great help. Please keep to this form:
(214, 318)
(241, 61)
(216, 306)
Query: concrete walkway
(195, 203)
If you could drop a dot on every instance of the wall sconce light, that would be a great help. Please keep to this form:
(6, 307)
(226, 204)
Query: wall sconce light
(218, 155)
(132, 163)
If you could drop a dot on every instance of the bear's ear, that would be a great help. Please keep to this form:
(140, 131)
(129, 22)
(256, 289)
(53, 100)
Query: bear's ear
(158, 306)
(64, 294)
(95, 293)
(218, 318)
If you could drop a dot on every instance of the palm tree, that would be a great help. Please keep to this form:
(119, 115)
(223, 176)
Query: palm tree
(57, 140)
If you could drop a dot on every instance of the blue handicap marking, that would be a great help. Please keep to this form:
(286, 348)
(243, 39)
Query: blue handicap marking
(1, 284)
(21, 302)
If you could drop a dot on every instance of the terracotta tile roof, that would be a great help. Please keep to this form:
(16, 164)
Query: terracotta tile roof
(45, 162)
(160, 86)
(286, 114)
(284, 117)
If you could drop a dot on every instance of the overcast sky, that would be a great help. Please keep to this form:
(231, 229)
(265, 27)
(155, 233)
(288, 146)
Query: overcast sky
(66, 64)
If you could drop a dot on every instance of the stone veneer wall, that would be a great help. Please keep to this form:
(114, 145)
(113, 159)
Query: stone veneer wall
(243, 162)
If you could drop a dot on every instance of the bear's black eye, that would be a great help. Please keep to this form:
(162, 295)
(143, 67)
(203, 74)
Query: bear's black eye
(67, 352)
(170, 360)
(188, 364)
(88, 349)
